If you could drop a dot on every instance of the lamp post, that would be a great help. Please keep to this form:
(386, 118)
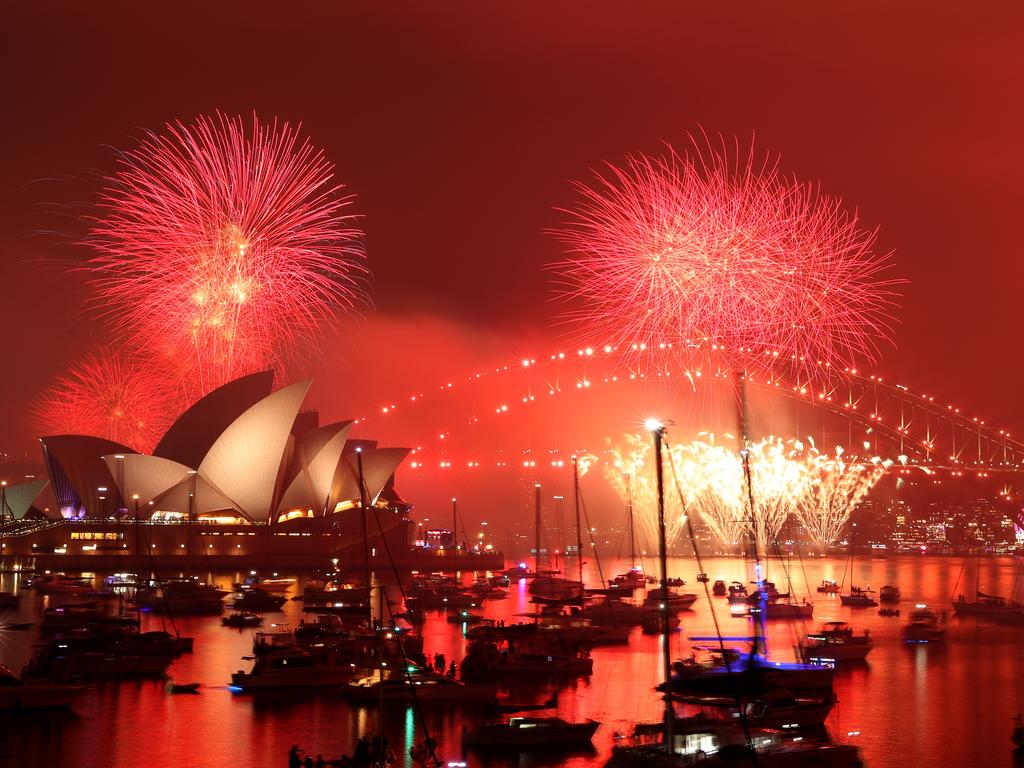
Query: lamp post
(657, 429)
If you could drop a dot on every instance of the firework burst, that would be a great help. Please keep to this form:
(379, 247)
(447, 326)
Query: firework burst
(713, 252)
(108, 395)
(221, 246)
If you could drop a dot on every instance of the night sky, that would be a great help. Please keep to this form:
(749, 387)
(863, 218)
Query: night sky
(459, 130)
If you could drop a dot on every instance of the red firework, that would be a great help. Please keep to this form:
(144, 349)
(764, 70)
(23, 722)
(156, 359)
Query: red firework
(702, 251)
(222, 246)
(109, 395)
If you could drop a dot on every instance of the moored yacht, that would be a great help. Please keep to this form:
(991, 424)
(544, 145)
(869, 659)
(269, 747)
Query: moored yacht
(531, 733)
(292, 667)
(835, 642)
(924, 626)
(859, 598)
(425, 687)
(19, 696)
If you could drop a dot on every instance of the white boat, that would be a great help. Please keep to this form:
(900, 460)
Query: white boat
(425, 687)
(835, 642)
(19, 696)
(677, 601)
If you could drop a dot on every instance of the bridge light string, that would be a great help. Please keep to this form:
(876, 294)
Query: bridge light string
(587, 368)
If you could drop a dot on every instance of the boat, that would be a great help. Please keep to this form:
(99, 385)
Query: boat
(737, 592)
(890, 593)
(183, 687)
(490, 658)
(488, 589)
(719, 589)
(1017, 737)
(984, 605)
(716, 743)
(828, 587)
(531, 734)
(60, 584)
(293, 667)
(614, 611)
(16, 695)
(775, 708)
(924, 626)
(653, 622)
(677, 601)
(257, 601)
(786, 609)
(181, 596)
(242, 619)
(263, 584)
(859, 598)
(425, 687)
(64, 617)
(634, 578)
(119, 580)
(835, 642)
(519, 571)
(888, 611)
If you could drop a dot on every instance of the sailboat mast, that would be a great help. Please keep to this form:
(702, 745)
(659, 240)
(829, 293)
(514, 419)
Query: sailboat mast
(366, 540)
(536, 527)
(760, 637)
(666, 650)
(579, 533)
(455, 539)
(632, 530)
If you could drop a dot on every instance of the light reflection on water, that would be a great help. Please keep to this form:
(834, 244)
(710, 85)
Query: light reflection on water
(950, 704)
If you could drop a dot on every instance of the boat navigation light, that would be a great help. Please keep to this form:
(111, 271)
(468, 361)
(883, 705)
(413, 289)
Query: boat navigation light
(920, 605)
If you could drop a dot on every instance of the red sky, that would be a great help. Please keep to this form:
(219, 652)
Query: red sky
(459, 125)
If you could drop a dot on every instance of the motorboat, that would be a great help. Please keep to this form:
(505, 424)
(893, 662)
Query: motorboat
(717, 743)
(677, 601)
(828, 587)
(775, 708)
(292, 667)
(181, 596)
(275, 584)
(257, 601)
(890, 593)
(719, 589)
(835, 642)
(536, 654)
(517, 572)
(430, 598)
(531, 734)
(425, 687)
(64, 617)
(859, 598)
(485, 588)
(924, 626)
(18, 696)
(614, 611)
(634, 578)
(242, 619)
(60, 584)
(737, 592)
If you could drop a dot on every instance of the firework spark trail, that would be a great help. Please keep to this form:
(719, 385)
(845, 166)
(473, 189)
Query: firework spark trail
(702, 249)
(109, 395)
(222, 246)
(788, 478)
(837, 487)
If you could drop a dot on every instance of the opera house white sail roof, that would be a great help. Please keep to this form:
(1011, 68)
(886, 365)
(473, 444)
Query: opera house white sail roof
(266, 461)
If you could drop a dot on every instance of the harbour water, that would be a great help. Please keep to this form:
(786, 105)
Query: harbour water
(944, 704)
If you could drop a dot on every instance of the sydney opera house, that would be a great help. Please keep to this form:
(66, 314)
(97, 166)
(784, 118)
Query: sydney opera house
(245, 477)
